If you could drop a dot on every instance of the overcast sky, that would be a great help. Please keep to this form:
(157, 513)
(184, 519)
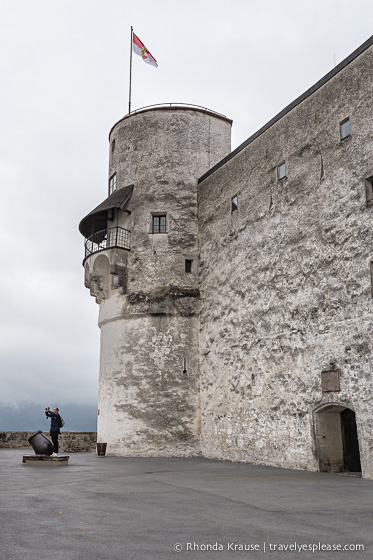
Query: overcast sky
(64, 83)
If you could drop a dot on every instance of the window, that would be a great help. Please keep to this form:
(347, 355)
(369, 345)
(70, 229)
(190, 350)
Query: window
(159, 224)
(281, 171)
(234, 205)
(345, 129)
(188, 265)
(113, 183)
(369, 190)
(113, 146)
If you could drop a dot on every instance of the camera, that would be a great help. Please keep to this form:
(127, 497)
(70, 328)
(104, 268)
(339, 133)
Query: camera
(46, 408)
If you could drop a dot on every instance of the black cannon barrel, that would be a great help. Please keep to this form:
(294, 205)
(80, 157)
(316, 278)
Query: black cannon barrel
(40, 443)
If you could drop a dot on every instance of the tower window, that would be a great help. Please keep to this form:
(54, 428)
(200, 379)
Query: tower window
(113, 146)
(369, 190)
(281, 171)
(159, 224)
(345, 129)
(113, 183)
(234, 204)
(188, 265)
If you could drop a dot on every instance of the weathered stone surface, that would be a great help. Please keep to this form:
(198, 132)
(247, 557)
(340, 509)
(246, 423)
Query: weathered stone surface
(69, 442)
(285, 281)
(149, 376)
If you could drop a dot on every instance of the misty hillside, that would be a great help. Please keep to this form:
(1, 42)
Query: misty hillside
(31, 417)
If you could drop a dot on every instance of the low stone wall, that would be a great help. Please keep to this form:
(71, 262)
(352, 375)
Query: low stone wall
(69, 442)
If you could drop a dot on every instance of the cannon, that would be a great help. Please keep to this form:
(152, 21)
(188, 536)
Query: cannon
(40, 443)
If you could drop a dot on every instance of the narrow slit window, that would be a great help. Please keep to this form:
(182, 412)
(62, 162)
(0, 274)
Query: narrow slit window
(188, 266)
(159, 224)
(281, 171)
(371, 278)
(369, 190)
(113, 183)
(234, 203)
(345, 129)
(113, 146)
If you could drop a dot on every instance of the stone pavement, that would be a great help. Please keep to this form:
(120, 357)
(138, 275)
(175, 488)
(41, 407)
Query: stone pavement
(140, 508)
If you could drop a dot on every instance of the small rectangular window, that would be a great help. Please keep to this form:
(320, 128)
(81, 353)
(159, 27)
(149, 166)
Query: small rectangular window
(234, 205)
(281, 171)
(113, 183)
(345, 129)
(159, 224)
(113, 146)
(369, 190)
(188, 265)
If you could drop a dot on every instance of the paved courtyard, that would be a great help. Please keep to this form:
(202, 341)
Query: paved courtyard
(185, 509)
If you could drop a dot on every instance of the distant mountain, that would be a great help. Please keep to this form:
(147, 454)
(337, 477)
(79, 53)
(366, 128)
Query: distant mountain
(31, 417)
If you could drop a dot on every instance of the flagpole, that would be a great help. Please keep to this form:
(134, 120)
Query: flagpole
(129, 101)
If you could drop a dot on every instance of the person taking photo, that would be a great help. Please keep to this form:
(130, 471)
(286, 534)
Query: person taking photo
(55, 428)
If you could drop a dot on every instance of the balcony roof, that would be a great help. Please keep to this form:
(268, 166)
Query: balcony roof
(96, 220)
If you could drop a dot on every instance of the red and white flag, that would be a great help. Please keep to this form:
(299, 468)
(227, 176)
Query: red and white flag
(139, 48)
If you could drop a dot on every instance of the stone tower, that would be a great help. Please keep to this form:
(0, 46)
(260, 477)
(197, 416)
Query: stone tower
(141, 264)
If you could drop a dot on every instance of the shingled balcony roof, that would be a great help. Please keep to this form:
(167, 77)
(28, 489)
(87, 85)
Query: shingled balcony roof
(96, 220)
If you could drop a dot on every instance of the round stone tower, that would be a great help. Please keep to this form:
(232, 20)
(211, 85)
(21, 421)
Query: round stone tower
(141, 264)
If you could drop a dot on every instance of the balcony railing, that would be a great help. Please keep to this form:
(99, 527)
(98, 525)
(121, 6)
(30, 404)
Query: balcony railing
(107, 239)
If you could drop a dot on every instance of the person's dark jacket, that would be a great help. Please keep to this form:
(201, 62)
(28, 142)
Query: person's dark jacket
(55, 421)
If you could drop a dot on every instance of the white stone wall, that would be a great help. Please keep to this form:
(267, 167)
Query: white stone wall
(149, 376)
(285, 281)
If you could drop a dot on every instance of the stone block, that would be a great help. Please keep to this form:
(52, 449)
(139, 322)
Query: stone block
(44, 460)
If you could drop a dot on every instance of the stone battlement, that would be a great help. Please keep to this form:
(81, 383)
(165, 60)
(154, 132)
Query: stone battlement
(69, 442)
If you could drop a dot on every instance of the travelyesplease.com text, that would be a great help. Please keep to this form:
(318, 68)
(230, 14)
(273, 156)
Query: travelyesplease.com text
(267, 547)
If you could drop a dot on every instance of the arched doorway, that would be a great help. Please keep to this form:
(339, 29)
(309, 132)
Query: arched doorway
(336, 436)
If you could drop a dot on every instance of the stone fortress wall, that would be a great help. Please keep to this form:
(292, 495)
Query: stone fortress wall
(286, 287)
(69, 442)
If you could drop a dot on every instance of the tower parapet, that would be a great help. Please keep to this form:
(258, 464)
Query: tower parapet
(141, 264)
